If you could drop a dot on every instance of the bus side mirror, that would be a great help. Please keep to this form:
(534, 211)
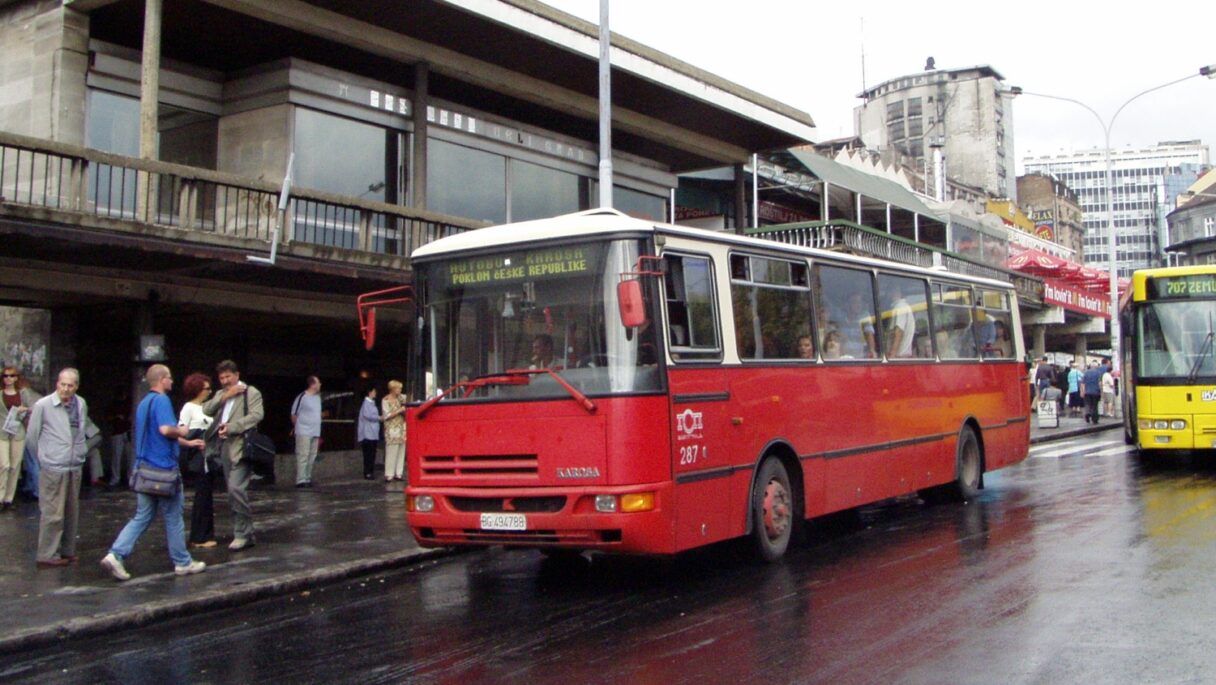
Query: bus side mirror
(632, 304)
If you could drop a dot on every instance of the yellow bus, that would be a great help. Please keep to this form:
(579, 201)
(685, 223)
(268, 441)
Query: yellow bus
(1168, 319)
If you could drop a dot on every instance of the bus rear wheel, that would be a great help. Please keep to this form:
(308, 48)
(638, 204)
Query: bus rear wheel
(969, 465)
(773, 515)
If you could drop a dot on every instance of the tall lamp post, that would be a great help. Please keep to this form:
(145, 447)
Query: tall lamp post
(1208, 71)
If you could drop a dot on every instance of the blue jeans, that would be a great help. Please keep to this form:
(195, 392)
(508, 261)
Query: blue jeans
(170, 509)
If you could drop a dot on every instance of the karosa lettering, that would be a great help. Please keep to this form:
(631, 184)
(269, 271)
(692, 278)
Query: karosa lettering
(579, 472)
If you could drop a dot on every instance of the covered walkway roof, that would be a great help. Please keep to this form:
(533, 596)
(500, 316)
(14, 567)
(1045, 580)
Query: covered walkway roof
(516, 58)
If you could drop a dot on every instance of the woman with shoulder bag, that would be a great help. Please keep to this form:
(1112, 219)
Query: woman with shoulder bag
(202, 462)
(14, 412)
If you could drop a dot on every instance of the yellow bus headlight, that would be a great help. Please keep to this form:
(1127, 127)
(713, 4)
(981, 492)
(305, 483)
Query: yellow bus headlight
(1177, 425)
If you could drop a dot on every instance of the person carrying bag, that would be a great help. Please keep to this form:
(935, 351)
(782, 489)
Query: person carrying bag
(156, 479)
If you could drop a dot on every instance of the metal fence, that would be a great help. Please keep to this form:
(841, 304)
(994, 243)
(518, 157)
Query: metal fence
(856, 239)
(68, 178)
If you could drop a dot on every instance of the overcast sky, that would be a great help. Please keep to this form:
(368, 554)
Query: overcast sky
(808, 54)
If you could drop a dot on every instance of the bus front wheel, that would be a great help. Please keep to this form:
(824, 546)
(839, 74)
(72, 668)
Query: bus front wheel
(773, 514)
(969, 465)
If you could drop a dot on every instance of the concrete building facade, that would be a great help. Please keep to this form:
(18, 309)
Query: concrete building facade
(965, 114)
(1140, 198)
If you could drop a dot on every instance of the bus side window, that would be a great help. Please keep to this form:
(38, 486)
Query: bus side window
(905, 317)
(844, 304)
(692, 321)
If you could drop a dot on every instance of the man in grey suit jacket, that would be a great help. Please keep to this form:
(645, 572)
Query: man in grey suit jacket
(236, 410)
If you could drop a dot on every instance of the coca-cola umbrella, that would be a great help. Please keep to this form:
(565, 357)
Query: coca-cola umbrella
(1039, 263)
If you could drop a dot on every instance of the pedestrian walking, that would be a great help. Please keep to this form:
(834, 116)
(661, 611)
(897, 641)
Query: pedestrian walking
(238, 409)
(367, 432)
(18, 398)
(306, 425)
(158, 439)
(56, 434)
(394, 432)
(1043, 377)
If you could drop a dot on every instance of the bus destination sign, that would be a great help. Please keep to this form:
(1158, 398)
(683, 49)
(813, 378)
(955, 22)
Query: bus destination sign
(537, 264)
(1196, 285)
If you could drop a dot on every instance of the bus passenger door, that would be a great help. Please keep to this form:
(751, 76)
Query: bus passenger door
(701, 465)
(700, 400)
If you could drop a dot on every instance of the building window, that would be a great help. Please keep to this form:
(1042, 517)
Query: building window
(465, 182)
(539, 192)
(1209, 226)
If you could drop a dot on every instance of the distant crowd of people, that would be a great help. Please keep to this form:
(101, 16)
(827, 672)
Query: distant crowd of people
(213, 436)
(1089, 393)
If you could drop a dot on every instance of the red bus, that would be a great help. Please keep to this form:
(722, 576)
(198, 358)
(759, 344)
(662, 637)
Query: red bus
(597, 382)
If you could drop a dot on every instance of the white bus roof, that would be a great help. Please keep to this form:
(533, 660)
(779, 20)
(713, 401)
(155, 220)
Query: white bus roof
(608, 221)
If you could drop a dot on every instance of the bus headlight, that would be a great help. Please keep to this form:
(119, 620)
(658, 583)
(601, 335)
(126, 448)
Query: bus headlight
(1160, 424)
(605, 504)
(1177, 425)
(421, 503)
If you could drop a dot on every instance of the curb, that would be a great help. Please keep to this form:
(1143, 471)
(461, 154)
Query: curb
(1073, 432)
(211, 600)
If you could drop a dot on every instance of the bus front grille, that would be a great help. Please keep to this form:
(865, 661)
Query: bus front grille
(525, 505)
(476, 466)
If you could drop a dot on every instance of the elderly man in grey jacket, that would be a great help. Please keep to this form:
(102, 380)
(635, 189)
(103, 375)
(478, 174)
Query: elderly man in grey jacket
(56, 437)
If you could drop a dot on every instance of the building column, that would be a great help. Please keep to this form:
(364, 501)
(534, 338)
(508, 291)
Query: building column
(740, 199)
(149, 115)
(1080, 350)
(1040, 340)
(417, 172)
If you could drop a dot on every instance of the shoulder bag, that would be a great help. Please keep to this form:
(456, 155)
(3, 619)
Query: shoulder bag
(148, 479)
(258, 449)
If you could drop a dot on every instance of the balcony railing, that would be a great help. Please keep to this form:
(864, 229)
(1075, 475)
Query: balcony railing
(854, 238)
(67, 178)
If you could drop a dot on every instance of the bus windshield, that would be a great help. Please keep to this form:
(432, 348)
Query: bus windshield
(1176, 339)
(544, 308)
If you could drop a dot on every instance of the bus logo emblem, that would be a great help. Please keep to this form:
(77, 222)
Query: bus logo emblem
(688, 425)
(1209, 395)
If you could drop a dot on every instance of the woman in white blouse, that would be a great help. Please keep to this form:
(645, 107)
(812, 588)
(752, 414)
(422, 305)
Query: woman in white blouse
(197, 387)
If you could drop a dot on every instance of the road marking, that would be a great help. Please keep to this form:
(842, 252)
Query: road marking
(1080, 448)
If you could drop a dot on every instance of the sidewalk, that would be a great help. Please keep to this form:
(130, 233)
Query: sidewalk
(305, 538)
(1070, 427)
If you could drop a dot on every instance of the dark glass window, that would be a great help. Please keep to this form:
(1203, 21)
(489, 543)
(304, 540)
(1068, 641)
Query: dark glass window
(465, 182)
(539, 192)
(692, 314)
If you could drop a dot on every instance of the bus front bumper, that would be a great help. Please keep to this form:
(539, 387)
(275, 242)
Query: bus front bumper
(561, 518)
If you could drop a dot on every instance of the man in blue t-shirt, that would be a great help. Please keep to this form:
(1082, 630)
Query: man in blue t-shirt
(157, 437)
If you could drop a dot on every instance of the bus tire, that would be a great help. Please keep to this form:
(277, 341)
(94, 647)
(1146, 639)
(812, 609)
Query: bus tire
(773, 515)
(969, 465)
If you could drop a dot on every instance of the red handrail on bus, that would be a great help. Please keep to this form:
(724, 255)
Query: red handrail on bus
(366, 305)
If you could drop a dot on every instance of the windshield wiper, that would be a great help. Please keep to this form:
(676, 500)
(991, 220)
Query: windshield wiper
(508, 377)
(1203, 352)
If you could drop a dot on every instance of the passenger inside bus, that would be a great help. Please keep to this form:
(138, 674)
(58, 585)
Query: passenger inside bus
(833, 347)
(806, 349)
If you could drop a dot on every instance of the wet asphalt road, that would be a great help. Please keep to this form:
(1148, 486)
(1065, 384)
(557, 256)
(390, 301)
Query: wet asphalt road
(1081, 565)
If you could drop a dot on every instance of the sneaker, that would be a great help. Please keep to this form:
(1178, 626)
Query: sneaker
(204, 545)
(238, 544)
(114, 565)
(190, 568)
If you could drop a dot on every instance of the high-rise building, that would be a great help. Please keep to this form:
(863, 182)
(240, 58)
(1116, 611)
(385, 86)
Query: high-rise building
(1140, 198)
(963, 113)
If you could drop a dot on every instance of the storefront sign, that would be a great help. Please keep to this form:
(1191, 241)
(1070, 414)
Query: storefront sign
(1075, 299)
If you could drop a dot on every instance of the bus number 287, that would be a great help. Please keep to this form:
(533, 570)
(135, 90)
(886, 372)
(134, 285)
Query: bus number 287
(690, 453)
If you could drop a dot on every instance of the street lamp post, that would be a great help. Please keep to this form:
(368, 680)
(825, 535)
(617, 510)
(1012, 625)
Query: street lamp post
(1112, 255)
